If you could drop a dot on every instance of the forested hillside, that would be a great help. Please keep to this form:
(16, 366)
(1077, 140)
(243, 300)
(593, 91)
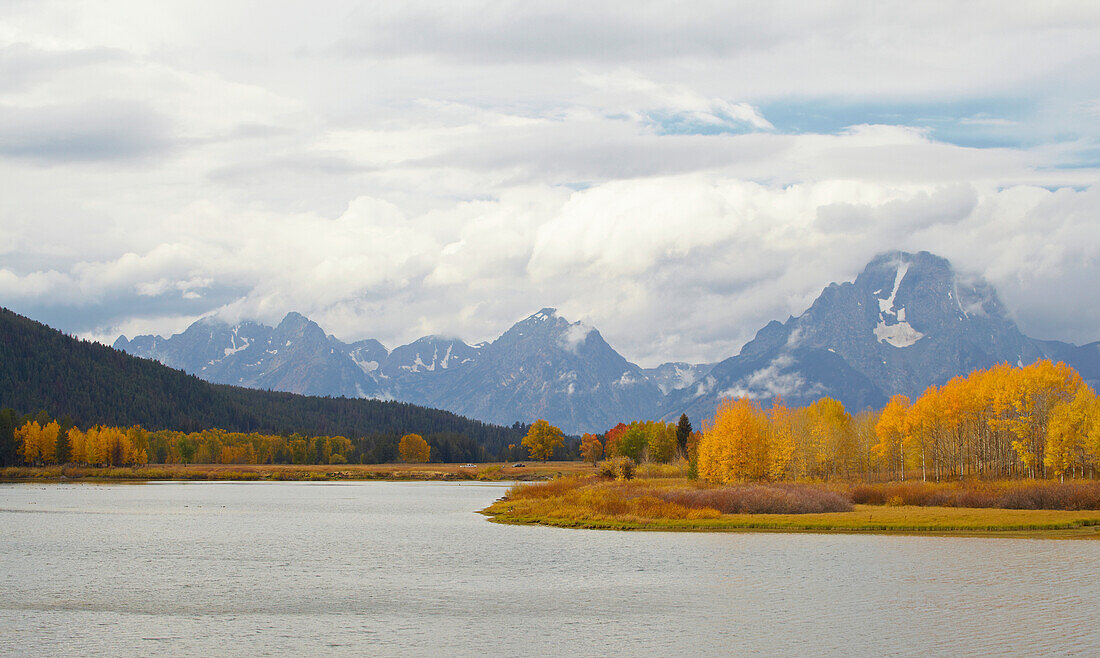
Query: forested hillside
(88, 384)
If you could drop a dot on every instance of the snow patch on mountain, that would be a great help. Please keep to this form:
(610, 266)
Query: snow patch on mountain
(892, 327)
(898, 335)
(236, 348)
(887, 305)
(367, 366)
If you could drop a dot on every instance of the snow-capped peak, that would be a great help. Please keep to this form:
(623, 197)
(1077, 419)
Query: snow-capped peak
(544, 314)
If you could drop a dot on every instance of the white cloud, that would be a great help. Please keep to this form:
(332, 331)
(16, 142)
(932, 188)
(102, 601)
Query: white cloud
(771, 381)
(575, 336)
(406, 170)
(627, 93)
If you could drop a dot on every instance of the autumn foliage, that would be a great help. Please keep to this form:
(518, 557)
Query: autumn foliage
(413, 448)
(1037, 421)
(542, 438)
(591, 448)
(102, 445)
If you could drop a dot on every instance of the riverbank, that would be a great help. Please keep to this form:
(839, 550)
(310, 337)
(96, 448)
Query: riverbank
(590, 503)
(530, 471)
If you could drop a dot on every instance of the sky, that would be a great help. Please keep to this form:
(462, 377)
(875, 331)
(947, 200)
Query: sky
(674, 174)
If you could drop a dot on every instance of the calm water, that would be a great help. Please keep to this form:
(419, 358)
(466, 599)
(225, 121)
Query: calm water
(381, 568)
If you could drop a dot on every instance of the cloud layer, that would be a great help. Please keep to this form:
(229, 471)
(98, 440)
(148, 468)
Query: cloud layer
(676, 179)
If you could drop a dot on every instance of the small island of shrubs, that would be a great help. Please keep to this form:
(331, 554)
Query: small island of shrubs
(1004, 451)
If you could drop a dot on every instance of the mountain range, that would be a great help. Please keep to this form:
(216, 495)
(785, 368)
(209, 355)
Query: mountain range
(85, 383)
(908, 321)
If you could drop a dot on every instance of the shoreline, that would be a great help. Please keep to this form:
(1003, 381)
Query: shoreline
(1084, 528)
(598, 504)
(486, 472)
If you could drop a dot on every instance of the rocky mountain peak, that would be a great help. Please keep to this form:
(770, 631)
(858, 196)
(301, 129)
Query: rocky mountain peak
(907, 321)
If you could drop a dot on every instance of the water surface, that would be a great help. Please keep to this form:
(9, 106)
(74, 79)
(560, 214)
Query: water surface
(409, 568)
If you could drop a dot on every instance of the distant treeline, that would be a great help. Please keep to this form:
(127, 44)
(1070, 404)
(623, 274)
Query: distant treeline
(85, 384)
(41, 440)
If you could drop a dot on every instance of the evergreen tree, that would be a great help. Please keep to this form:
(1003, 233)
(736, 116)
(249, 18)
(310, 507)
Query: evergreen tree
(9, 453)
(62, 450)
(683, 433)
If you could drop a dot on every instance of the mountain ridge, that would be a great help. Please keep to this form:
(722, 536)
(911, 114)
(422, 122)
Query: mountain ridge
(906, 322)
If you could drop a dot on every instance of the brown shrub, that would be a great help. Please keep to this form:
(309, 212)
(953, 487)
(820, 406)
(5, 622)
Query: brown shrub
(970, 493)
(551, 489)
(620, 468)
(1053, 495)
(761, 499)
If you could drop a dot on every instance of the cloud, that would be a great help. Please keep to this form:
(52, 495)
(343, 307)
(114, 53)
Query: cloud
(22, 65)
(575, 335)
(83, 132)
(511, 31)
(686, 271)
(771, 381)
(676, 178)
(668, 108)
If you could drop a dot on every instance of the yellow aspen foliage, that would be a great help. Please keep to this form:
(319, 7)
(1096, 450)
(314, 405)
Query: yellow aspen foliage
(782, 446)
(77, 446)
(413, 448)
(832, 439)
(1024, 399)
(892, 431)
(136, 447)
(339, 448)
(37, 443)
(734, 446)
(27, 438)
(660, 441)
(47, 445)
(1068, 431)
(541, 440)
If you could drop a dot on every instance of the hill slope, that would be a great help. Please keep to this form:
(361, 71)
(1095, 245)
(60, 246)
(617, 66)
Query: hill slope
(41, 368)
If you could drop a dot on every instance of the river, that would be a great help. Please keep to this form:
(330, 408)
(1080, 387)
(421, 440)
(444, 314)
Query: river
(409, 568)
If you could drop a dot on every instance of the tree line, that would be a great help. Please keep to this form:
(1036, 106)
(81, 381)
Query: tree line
(41, 440)
(1037, 421)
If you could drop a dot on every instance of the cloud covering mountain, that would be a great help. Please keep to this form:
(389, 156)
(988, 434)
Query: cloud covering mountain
(676, 178)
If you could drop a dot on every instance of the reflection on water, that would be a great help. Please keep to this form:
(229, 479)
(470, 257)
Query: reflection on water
(254, 568)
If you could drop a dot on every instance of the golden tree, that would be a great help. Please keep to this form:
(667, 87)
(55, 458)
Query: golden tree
(78, 446)
(591, 448)
(734, 447)
(38, 443)
(892, 431)
(1068, 430)
(781, 440)
(541, 440)
(413, 448)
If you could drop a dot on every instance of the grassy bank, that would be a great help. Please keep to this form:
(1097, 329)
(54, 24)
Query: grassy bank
(673, 504)
(532, 471)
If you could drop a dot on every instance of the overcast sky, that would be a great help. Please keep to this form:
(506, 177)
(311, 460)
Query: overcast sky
(675, 174)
